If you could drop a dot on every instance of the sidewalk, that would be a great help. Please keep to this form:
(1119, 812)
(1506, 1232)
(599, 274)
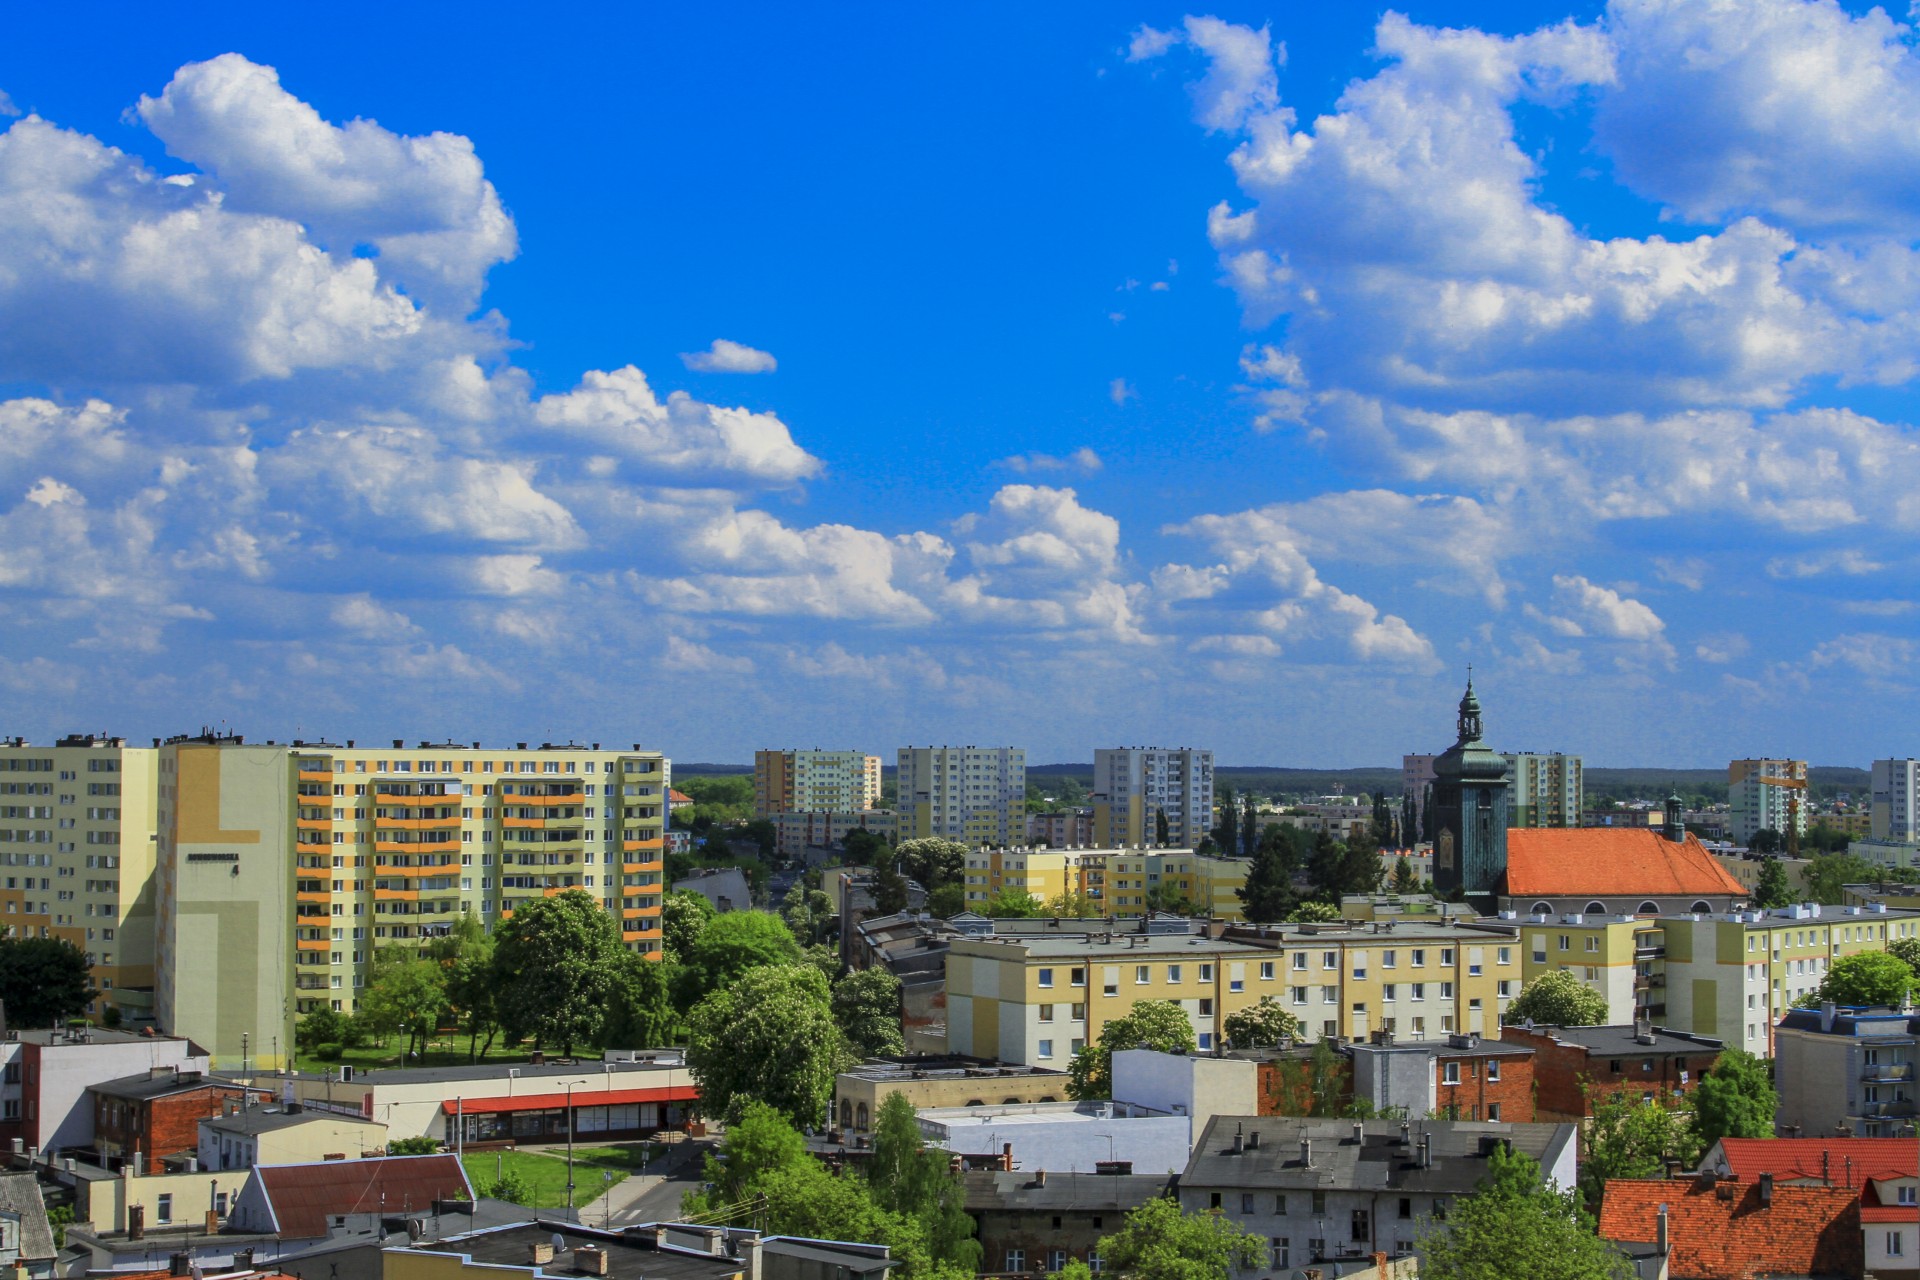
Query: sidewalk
(649, 1195)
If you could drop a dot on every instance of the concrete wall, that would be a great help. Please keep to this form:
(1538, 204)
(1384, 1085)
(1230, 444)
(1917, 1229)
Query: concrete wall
(1155, 1144)
(1395, 1076)
(64, 1072)
(104, 1201)
(1199, 1088)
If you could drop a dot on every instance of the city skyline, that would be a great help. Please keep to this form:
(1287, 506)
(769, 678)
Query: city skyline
(1230, 379)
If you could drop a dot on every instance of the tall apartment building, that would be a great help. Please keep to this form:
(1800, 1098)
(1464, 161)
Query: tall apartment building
(77, 828)
(974, 794)
(1545, 790)
(814, 782)
(281, 869)
(1416, 777)
(1766, 795)
(1134, 786)
(1895, 812)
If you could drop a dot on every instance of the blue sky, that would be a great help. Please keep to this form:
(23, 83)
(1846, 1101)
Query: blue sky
(1065, 379)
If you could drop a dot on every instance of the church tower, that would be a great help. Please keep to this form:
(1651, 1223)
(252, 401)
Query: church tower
(1470, 810)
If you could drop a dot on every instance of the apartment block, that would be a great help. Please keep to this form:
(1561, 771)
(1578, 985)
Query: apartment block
(1066, 829)
(77, 831)
(1042, 874)
(1894, 812)
(1545, 790)
(1847, 1067)
(796, 832)
(973, 794)
(1416, 781)
(1036, 998)
(814, 782)
(282, 868)
(1135, 787)
(1766, 795)
(1615, 955)
(1211, 884)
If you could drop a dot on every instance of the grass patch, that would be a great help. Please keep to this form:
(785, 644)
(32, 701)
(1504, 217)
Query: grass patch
(440, 1053)
(545, 1177)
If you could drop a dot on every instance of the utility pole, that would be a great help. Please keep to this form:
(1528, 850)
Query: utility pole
(570, 1212)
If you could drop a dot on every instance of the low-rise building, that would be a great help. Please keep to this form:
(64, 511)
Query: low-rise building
(939, 1082)
(302, 1202)
(1846, 1071)
(799, 831)
(1463, 1077)
(1064, 829)
(725, 888)
(1038, 1221)
(1614, 871)
(1065, 1137)
(1575, 1066)
(1884, 1173)
(44, 1077)
(26, 1238)
(1323, 1190)
(155, 1116)
(285, 1134)
(1702, 1228)
(548, 1249)
(1197, 1086)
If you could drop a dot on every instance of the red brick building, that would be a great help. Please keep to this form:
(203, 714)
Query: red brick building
(1463, 1077)
(1704, 1228)
(1641, 1061)
(156, 1114)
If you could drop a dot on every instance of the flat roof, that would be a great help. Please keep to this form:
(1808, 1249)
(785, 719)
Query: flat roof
(475, 1071)
(1133, 944)
(1622, 1040)
(1039, 1113)
(268, 1119)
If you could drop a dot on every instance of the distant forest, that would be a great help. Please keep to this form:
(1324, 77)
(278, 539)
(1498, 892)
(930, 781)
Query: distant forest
(1695, 785)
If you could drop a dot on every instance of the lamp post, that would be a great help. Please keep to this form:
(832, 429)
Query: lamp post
(606, 1198)
(570, 1212)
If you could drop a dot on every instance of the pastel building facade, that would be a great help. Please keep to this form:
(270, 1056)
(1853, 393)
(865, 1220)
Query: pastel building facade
(1545, 789)
(1894, 814)
(815, 781)
(1766, 795)
(1135, 787)
(974, 794)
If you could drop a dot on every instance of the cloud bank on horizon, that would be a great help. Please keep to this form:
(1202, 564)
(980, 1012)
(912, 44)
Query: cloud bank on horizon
(268, 458)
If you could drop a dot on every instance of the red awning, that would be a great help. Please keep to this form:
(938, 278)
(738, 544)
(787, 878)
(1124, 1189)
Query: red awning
(581, 1098)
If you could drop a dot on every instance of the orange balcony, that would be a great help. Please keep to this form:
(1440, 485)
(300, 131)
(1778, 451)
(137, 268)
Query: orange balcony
(417, 824)
(316, 775)
(631, 867)
(314, 824)
(571, 797)
(313, 944)
(634, 846)
(524, 824)
(382, 869)
(307, 896)
(396, 895)
(418, 801)
(412, 846)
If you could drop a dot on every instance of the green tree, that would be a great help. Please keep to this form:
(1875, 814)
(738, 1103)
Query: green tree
(1516, 1225)
(1157, 1024)
(933, 861)
(864, 849)
(946, 902)
(1908, 949)
(757, 1146)
(731, 944)
(1869, 978)
(808, 912)
(43, 981)
(767, 1035)
(465, 956)
(1734, 1100)
(1249, 825)
(684, 916)
(1360, 867)
(890, 890)
(1766, 841)
(1227, 833)
(1628, 1138)
(554, 961)
(1311, 912)
(1268, 896)
(1074, 906)
(1405, 880)
(866, 1006)
(1558, 999)
(1326, 866)
(510, 1187)
(1162, 834)
(421, 1146)
(640, 1012)
(1159, 1242)
(1827, 874)
(1262, 1024)
(322, 1026)
(1773, 889)
(917, 1183)
(1324, 1077)
(405, 992)
(1013, 904)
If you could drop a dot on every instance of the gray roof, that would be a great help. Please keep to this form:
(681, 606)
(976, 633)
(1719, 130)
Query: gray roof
(1622, 1041)
(268, 1119)
(992, 1190)
(1467, 1047)
(1377, 1163)
(20, 1194)
(146, 1085)
(948, 1068)
(485, 1071)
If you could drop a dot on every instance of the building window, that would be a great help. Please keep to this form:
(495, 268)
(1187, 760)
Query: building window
(1046, 1013)
(1319, 1202)
(1246, 1202)
(1493, 1111)
(1046, 1049)
(1016, 1259)
(1896, 1242)
(1406, 1208)
(1173, 973)
(163, 1208)
(1056, 1259)
(1142, 974)
(1280, 1205)
(1266, 971)
(1493, 1070)
(1046, 977)
(1450, 1073)
(1280, 1250)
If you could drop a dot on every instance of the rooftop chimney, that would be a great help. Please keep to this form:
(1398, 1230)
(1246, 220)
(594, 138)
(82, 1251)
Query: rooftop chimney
(1306, 1152)
(589, 1261)
(1660, 1241)
(1766, 1188)
(540, 1253)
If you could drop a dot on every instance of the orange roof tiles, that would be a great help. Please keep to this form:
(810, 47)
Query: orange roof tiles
(1806, 1231)
(1798, 1159)
(1611, 861)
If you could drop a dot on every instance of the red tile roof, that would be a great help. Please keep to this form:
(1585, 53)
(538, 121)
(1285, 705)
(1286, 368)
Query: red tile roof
(1798, 1159)
(1806, 1231)
(1611, 862)
(304, 1196)
(676, 796)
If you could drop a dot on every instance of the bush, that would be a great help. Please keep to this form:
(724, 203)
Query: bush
(329, 1052)
(512, 1188)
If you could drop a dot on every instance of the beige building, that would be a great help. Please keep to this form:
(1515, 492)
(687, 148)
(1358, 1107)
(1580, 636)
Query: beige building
(1211, 884)
(814, 782)
(77, 847)
(977, 795)
(289, 1134)
(1042, 874)
(940, 1082)
(1614, 955)
(1038, 998)
(282, 868)
(1136, 788)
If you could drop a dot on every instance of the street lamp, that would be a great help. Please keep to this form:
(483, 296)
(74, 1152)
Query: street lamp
(570, 1212)
(606, 1198)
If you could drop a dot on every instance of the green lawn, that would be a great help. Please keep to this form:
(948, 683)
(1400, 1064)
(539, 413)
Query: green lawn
(451, 1052)
(546, 1176)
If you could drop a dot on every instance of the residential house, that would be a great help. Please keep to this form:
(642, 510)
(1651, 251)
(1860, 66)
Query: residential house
(1706, 1228)
(1846, 1071)
(26, 1238)
(1463, 1077)
(286, 1134)
(1572, 1066)
(300, 1202)
(1038, 1221)
(155, 1116)
(44, 1077)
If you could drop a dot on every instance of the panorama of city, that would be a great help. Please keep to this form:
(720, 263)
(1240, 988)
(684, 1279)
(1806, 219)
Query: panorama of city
(576, 583)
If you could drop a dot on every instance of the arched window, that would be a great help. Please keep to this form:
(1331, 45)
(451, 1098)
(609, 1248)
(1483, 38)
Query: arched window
(1541, 909)
(1596, 908)
(860, 1116)
(1701, 907)
(1648, 909)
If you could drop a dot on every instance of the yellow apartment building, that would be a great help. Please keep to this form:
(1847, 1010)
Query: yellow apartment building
(1617, 956)
(977, 795)
(77, 843)
(1212, 884)
(1037, 1000)
(1134, 788)
(1043, 874)
(814, 782)
(282, 868)
(1733, 976)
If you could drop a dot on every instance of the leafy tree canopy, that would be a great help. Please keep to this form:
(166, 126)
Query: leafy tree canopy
(1773, 889)
(43, 981)
(1266, 1023)
(406, 992)
(732, 943)
(1009, 904)
(1516, 1225)
(933, 861)
(1558, 999)
(1628, 1138)
(866, 1005)
(1157, 1024)
(684, 916)
(947, 901)
(1827, 874)
(1869, 978)
(1310, 912)
(554, 968)
(1735, 1100)
(1159, 1242)
(767, 1035)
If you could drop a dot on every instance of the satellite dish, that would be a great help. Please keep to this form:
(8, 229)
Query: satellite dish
(559, 1242)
